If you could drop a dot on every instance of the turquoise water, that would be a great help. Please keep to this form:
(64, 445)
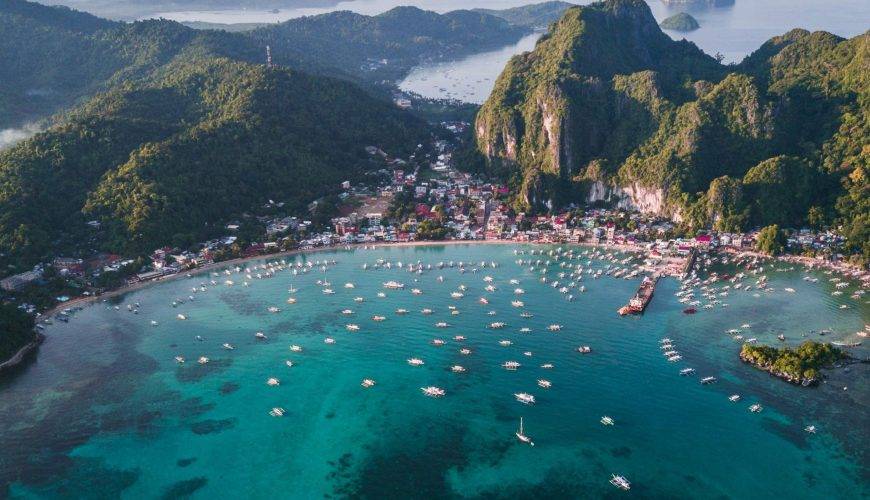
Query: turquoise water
(106, 411)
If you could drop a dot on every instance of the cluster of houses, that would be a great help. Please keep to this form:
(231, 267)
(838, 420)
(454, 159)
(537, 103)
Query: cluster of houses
(462, 206)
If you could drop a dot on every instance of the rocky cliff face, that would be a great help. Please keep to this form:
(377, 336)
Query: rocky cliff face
(585, 93)
(608, 108)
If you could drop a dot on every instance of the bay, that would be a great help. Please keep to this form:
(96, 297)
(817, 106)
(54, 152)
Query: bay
(106, 411)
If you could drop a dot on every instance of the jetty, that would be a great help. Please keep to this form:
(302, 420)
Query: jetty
(637, 304)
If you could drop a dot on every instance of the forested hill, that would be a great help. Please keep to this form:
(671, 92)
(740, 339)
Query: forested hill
(172, 158)
(50, 56)
(538, 15)
(607, 108)
(402, 36)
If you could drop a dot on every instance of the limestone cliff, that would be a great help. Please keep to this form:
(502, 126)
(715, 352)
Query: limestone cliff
(607, 108)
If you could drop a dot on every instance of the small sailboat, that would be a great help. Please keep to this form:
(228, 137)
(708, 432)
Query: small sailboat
(522, 436)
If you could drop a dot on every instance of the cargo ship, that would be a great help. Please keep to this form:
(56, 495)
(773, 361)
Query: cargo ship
(641, 299)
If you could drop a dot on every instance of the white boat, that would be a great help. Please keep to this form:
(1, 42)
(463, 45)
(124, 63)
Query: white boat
(620, 482)
(441, 324)
(328, 291)
(708, 380)
(525, 329)
(289, 363)
(179, 359)
(228, 347)
(277, 412)
(519, 291)
(525, 398)
(415, 362)
(296, 348)
(605, 420)
(260, 335)
(483, 300)
(504, 343)
(349, 285)
(433, 392)
(181, 317)
(510, 365)
(522, 436)
(457, 369)
(401, 311)
(810, 428)
(153, 323)
(465, 351)
(381, 295)
(347, 312)
(457, 295)
(756, 408)
(426, 311)
(394, 285)
(417, 291)
(291, 300)
(546, 384)
(687, 371)
(358, 299)
(273, 382)
(378, 318)
(554, 328)
(497, 325)
(202, 360)
(273, 310)
(352, 327)
(329, 340)
(547, 366)
(734, 398)
(584, 349)
(367, 382)
(517, 303)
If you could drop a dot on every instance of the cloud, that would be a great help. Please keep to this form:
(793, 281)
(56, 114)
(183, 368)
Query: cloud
(10, 136)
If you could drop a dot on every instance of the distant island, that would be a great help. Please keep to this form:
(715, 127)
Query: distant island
(680, 22)
(538, 15)
(798, 366)
(699, 3)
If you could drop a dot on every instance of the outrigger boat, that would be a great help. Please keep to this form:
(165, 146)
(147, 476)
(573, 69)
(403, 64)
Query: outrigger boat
(620, 482)
(433, 392)
(525, 398)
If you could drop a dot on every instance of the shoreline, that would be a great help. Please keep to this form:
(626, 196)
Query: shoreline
(811, 262)
(124, 289)
(22, 354)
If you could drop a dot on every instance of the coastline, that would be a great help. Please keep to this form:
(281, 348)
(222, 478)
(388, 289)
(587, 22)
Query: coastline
(16, 359)
(810, 262)
(81, 301)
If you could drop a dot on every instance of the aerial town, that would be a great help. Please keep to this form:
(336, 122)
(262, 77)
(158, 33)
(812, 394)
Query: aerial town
(411, 200)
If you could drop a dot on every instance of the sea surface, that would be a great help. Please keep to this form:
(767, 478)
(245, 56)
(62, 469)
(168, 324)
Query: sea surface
(470, 79)
(105, 410)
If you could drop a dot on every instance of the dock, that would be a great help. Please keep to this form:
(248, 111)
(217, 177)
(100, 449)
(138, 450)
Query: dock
(637, 304)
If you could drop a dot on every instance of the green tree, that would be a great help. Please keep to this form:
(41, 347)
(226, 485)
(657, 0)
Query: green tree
(771, 240)
(816, 217)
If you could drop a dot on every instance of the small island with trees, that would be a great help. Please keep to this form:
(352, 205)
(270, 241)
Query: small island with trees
(802, 365)
(680, 22)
